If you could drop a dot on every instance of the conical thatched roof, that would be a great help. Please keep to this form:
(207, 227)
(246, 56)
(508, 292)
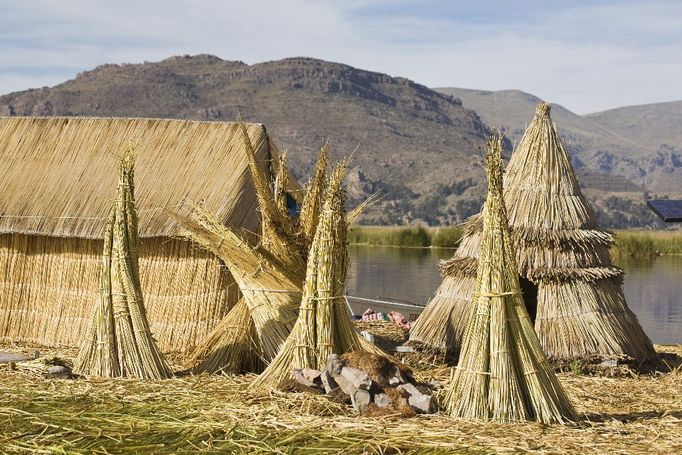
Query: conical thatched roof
(560, 250)
(502, 374)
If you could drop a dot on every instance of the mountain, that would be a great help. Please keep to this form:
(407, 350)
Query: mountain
(406, 131)
(622, 156)
(420, 147)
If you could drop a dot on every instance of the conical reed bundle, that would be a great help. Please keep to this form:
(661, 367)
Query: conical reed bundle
(269, 287)
(323, 326)
(232, 347)
(120, 343)
(502, 374)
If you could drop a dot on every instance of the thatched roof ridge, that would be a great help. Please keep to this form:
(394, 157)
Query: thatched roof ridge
(58, 174)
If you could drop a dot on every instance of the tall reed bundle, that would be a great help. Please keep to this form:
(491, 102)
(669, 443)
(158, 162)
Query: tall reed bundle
(231, 347)
(269, 287)
(561, 253)
(502, 374)
(281, 184)
(120, 342)
(312, 201)
(323, 326)
(278, 230)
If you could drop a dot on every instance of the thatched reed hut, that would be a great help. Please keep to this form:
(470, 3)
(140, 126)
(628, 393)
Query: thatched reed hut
(59, 177)
(573, 292)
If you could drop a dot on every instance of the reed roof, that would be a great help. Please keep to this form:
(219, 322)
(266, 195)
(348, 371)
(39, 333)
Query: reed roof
(552, 224)
(58, 174)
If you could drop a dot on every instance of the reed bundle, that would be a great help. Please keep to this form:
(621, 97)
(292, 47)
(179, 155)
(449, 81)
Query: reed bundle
(502, 374)
(278, 230)
(120, 342)
(323, 326)
(269, 287)
(232, 347)
(560, 251)
(312, 201)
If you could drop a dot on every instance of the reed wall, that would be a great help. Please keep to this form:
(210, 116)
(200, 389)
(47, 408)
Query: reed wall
(49, 286)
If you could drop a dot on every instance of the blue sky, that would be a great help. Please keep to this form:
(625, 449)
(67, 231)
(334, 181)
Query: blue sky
(585, 55)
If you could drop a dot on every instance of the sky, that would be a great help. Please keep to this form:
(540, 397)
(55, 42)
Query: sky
(586, 55)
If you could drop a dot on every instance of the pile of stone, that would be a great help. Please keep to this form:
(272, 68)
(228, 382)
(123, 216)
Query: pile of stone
(381, 384)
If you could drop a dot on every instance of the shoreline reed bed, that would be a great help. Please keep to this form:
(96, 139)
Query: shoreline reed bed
(642, 244)
(628, 242)
(405, 236)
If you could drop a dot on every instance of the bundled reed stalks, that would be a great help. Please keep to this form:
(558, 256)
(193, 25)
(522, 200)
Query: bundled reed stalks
(323, 326)
(278, 229)
(120, 343)
(269, 287)
(561, 253)
(234, 345)
(502, 374)
(312, 201)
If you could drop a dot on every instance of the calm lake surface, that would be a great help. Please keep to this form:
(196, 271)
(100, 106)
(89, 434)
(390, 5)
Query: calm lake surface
(653, 288)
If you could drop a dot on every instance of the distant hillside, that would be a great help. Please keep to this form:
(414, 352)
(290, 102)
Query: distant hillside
(622, 156)
(406, 131)
(421, 148)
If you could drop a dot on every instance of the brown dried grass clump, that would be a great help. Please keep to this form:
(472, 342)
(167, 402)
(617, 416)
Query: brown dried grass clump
(502, 374)
(378, 367)
(120, 343)
(221, 414)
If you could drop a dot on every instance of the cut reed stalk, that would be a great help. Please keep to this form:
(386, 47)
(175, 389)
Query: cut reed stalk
(120, 342)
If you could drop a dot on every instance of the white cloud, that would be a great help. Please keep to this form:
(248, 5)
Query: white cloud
(590, 57)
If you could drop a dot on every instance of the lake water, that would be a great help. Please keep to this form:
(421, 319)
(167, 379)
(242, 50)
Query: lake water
(653, 288)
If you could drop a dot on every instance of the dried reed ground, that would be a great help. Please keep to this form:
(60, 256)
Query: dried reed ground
(213, 414)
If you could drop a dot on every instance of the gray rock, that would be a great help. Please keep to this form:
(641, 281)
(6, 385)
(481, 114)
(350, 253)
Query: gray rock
(360, 399)
(609, 363)
(328, 382)
(334, 365)
(59, 369)
(396, 378)
(418, 401)
(402, 348)
(421, 403)
(311, 375)
(301, 379)
(358, 378)
(6, 357)
(382, 400)
(345, 384)
(408, 389)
